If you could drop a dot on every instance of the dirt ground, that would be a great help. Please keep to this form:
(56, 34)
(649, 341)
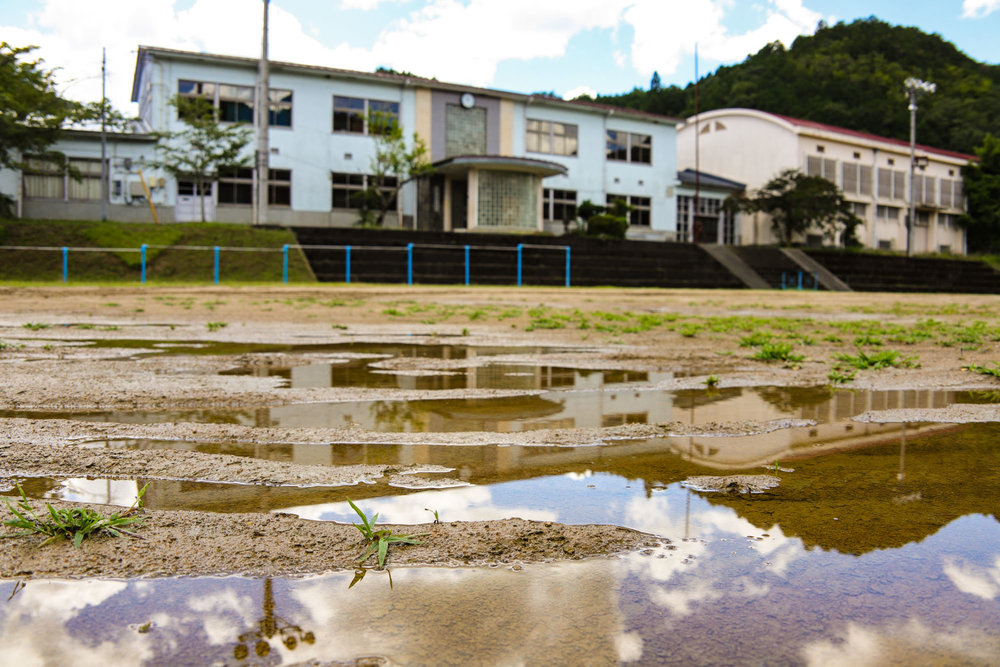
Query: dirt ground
(48, 375)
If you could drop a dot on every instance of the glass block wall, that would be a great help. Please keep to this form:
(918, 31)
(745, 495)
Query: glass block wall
(464, 131)
(508, 199)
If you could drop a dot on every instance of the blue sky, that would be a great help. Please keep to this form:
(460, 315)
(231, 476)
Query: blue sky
(563, 46)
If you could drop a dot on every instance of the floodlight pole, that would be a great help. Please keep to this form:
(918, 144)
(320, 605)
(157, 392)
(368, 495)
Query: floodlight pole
(913, 88)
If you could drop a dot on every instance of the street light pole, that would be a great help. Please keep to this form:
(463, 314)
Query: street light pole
(913, 88)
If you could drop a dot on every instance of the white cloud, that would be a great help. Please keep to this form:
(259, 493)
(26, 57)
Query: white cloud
(977, 9)
(462, 41)
(574, 93)
(666, 33)
(979, 581)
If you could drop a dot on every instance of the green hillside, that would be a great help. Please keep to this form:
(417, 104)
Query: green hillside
(851, 75)
(176, 264)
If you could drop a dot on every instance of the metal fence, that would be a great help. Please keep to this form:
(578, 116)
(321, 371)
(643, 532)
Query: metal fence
(284, 251)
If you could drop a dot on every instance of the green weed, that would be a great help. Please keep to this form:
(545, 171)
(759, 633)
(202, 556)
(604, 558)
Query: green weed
(74, 523)
(881, 359)
(984, 370)
(36, 326)
(711, 381)
(777, 352)
(840, 375)
(215, 326)
(756, 339)
(379, 539)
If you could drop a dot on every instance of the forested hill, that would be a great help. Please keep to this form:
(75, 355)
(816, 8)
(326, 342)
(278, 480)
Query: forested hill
(850, 75)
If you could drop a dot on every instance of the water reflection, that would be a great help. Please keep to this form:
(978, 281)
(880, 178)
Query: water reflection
(890, 490)
(722, 598)
(565, 408)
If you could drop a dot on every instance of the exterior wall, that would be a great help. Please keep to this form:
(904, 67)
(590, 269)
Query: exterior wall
(311, 150)
(126, 198)
(593, 176)
(752, 147)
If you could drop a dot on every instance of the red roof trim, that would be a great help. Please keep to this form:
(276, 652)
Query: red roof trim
(872, 137)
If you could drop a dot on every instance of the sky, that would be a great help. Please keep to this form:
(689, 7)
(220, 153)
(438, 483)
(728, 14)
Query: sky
(567, 47)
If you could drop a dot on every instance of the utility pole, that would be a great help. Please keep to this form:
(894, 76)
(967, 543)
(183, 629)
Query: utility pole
(104, 139)
(695, 221)
(913, 88)
(263, 119)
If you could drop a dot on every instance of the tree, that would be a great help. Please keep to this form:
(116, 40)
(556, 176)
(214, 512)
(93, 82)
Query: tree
(654, 83)
(32, 113)
(604, 222)
(797, 203)
(204, 148)
(392, 166)
(982, 190)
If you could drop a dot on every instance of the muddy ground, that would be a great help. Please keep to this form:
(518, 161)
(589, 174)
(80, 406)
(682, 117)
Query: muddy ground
(46, 370)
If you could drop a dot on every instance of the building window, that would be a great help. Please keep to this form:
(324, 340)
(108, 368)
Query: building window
(558, 205)
(709, 211)
(346, 186)
(629, 147)
(545, 136)
(887, 213)
(279, 187)
(924, 189)
(236, 187)
(859, 209)
(351, 114)
(856, 178)
(948, 220)
(235, 104)
(52, 180)
(639, 216)
(891, 184)
(923, 218)
(279, 108)
(824, 167)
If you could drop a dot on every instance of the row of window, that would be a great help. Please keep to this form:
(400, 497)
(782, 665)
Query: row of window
(50, 180)
(560, 206)
(857, 179)
(235, 104)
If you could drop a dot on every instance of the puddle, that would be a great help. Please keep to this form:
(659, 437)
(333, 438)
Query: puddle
(363, 373)
(727, 595)
(568, 408)
(879, 490)
(148, 347)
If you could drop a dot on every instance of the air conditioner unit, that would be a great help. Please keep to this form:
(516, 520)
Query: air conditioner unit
(136, 191)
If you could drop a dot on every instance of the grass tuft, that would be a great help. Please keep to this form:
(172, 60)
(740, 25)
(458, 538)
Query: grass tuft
(73, 523)
(378, 540)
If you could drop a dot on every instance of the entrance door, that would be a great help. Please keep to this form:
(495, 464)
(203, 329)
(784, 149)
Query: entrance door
(459, 204)
(188, 206)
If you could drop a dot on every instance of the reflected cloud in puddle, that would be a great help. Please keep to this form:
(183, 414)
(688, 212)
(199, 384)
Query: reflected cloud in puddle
(726, 607)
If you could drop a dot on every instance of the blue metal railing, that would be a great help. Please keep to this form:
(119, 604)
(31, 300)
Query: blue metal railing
(217, 251)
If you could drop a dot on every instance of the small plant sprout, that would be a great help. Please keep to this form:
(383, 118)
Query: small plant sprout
(984, 370)
(215, 326)
(777, 352)
(74, 523)
(711, 381)
(379, 539)
(36, 326)
(435, 513)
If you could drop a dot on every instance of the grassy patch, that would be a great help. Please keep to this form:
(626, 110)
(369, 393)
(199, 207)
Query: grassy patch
(74, 523)
(985, 370)
(168, 264)
(777, 352)
(876, 360)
